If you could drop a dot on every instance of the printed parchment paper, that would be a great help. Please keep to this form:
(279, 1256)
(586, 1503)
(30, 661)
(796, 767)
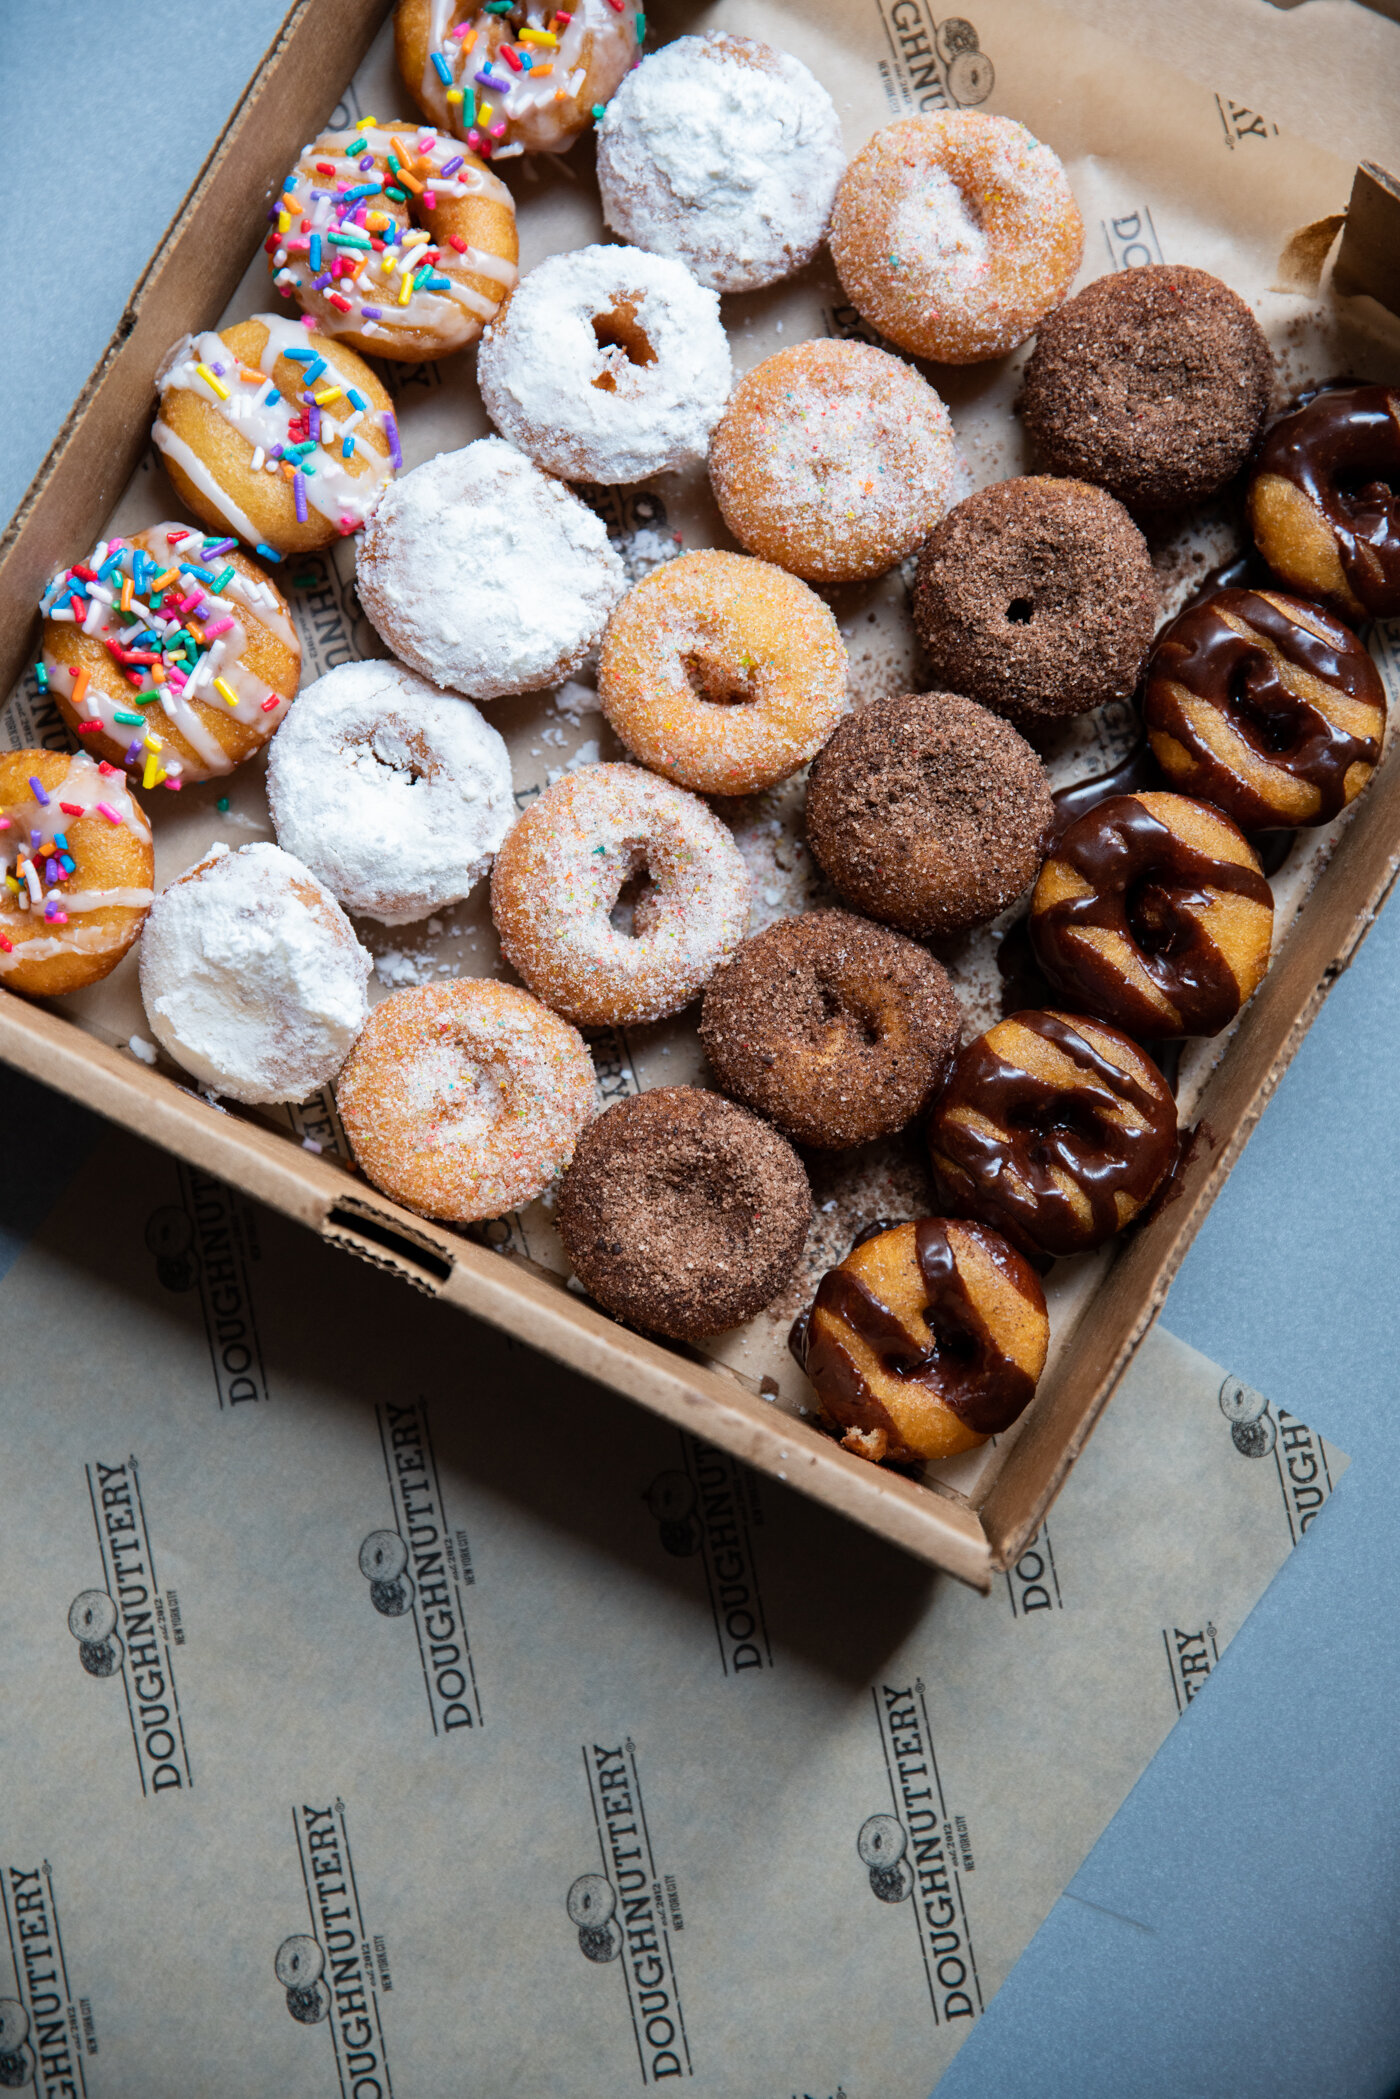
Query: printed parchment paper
(390, 1715)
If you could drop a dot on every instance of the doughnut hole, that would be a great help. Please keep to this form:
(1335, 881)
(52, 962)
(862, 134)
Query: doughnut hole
(620, 330)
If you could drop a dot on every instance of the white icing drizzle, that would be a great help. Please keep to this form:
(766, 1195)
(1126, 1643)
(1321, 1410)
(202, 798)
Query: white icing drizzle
(526, 102)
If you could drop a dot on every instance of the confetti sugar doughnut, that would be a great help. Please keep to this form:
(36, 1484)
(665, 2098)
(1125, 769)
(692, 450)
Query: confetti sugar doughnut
(607, 365)
(486, 575)
(252, 977)
(1266, 706)
(722, 672)
(928, 1338)
(561, 871)
(683, 1213)
(286, 439)
(400, 243)
(1324, 500)
(394, 796)
(834, 460)
(955, 234)
(725, 153)
(465, 1100)
(520, 79)
(75, 848)
(169, 651)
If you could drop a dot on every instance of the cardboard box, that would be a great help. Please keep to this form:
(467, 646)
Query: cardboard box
(187, 284)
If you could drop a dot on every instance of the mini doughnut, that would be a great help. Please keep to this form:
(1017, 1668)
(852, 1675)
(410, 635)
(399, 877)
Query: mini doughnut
(252, 977)
(833, 460)
(928, 1338)
(75, 851)
(835, 1029)
(410, 275)
(722, 672)
(682, 1213)
(456, 56)
(955, 234)
(465, 1100)
(234, 405)
(170, 651)
(1324, 500)
(394, 796)
(1153, 912)
(1037, 598)
(1154, 383)
(1268, 707)
(486, 575)
(1056, 1130)
(561, 871)
(725, 153)
(928, 813)
(607, 365)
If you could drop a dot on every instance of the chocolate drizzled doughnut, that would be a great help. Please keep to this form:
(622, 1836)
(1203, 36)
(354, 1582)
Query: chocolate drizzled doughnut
(683, 1213)
(928, 1338)
(1269, 708)
(1324, 501)
(1152, 911)
(837, 1030)
(1056, 1129)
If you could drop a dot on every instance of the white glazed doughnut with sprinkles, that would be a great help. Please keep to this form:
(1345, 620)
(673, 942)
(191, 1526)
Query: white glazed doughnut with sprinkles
(169, 651)
(515, 78)
(281, 436)
(607, 365)
(560, 874)
(76, 869)
(399, 241)
(465, 1100)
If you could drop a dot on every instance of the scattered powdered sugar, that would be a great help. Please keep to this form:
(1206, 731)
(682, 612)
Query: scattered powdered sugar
(646, 549)
(486, 575)
(608, 364)
(587, 753)
(397, 967)
(574, 700)
(724, 152)
(139, 1047)
(393, 793)
(252, 977)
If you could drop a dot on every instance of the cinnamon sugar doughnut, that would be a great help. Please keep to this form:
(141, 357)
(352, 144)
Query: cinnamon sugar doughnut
(722, 672)
(465, 1100)
(955, 234)
(244, 413)
(399, 243)
(518, 80)
(561, 871)
(170, 651)
(834, 460)
(76, 855)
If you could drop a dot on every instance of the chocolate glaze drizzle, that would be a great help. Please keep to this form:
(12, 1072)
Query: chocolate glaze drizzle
(1146, 885)
(1343, 451)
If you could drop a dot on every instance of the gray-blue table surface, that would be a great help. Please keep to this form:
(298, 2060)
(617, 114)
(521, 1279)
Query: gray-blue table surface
(1233, 1934)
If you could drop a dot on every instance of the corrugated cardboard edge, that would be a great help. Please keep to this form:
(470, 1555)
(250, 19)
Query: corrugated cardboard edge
(1369, 257)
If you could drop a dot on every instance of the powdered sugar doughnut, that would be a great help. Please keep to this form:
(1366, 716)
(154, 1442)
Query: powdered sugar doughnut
(607, 365)
(955, 234)
(724, 152)
(252, 977)
(508, 85)
(486, 575)
(561, 871)
(394, 796)
(465, 1100)
(834, 460)
(77, 868)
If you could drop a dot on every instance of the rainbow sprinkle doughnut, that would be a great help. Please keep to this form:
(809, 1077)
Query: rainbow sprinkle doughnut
(77, 866)
(511, 85)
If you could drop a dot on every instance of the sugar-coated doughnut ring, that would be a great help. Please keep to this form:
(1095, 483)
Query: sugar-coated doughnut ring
(955, 234)
(75, 850)
(1268, 707)
(170, 651)
(928, 1338)
(722, 672)
(1055, 1129)
(401, 244)
(834, 460)
(683, 1213)
(1152, 911)
(563, 868)
(244, 414)
(465, 1100)
(1324, 500)
(521, 79)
